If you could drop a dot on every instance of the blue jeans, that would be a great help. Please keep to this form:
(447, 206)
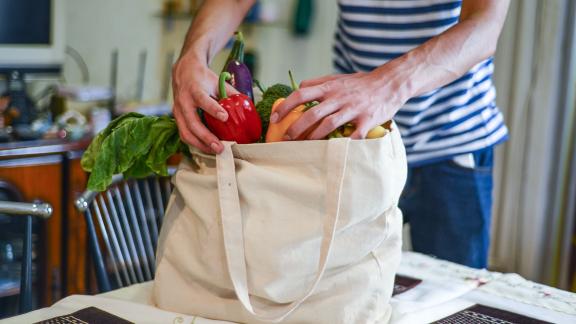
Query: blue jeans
(448, 207)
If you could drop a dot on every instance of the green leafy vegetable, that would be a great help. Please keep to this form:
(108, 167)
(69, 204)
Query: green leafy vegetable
(134, 145)
(89, 156)
(166, 143)
(264, 107)
(138, 170)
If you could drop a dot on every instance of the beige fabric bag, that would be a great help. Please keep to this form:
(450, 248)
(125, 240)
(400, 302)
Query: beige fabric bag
(297, 232)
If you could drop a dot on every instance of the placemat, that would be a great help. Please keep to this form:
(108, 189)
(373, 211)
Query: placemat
(404, 283)
(90, 315)
(479, 314)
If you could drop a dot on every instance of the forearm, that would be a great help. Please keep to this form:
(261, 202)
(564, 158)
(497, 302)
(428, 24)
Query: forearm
(448, 56)
(215, 22)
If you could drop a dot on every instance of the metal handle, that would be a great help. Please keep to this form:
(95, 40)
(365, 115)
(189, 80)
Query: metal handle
(41, 210)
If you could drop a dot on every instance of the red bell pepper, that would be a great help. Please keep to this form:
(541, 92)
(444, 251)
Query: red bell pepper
(243, 125)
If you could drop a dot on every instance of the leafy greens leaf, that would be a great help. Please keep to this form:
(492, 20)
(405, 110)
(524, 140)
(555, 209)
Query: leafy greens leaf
(89, 157)
(134, 145)
(166, 143)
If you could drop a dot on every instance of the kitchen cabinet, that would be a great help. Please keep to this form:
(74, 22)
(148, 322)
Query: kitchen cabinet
(49, 170)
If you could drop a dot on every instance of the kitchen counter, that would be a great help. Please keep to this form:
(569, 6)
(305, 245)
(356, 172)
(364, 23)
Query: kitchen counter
(42, 146)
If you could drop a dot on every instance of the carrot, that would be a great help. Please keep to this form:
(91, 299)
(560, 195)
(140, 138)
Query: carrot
(276, 131)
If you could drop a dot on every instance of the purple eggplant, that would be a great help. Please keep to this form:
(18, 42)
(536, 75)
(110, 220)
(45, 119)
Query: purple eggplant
(241, 76)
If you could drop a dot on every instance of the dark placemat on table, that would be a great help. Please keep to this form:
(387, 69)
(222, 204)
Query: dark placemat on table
(480, 314)
(404, 283)
(90, 315)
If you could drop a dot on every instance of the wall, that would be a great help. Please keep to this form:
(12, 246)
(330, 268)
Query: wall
(96, 28)
(277, 49)
(307, 57)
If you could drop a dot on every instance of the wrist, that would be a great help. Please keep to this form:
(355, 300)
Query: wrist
(396, 78)
(194, 54)
(196, 49)
(194, 58)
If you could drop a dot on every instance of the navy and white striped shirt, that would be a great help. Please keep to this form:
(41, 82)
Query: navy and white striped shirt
(455, 119)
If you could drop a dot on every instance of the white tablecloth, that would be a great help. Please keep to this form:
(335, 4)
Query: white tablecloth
(446, 289)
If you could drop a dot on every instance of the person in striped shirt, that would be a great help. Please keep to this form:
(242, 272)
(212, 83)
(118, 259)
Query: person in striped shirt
(427, 64)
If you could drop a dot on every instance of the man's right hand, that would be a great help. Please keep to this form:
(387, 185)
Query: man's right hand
(194, 87)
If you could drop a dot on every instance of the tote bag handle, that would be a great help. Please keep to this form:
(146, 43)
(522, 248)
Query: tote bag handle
(336, 157)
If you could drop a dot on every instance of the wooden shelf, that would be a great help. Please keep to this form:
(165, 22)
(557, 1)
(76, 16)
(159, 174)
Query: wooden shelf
(175, 16)
(188, 17)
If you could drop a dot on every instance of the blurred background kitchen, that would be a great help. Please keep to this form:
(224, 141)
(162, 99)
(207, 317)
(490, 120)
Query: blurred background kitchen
(67, 67)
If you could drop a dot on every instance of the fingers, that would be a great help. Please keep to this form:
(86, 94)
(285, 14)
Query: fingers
(192, 91)
(200, 131)
(203, 101)
(363, 126)
(295, 99)
(186, 134)
(195, 126)
(311, 117)
(320, 80)
(330, 123)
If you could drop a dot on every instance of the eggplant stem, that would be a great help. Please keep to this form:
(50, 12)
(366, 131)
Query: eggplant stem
(237, 51)
(239, 55)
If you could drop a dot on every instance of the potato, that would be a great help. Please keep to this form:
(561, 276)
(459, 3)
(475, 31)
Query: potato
(348, 130)
(376, 132)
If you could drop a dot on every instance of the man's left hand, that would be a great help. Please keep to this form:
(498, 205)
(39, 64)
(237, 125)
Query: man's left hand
(365, 100)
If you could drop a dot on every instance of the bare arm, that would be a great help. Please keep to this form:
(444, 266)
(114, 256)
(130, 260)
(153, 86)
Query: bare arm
(193, 82)
(370, 99)
(448, 56)
(215, 22)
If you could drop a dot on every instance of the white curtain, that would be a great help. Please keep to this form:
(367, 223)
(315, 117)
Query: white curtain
(530, 77)
(562, 242)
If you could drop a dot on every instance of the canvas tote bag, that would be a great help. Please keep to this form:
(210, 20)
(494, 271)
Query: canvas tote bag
(291, 232)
